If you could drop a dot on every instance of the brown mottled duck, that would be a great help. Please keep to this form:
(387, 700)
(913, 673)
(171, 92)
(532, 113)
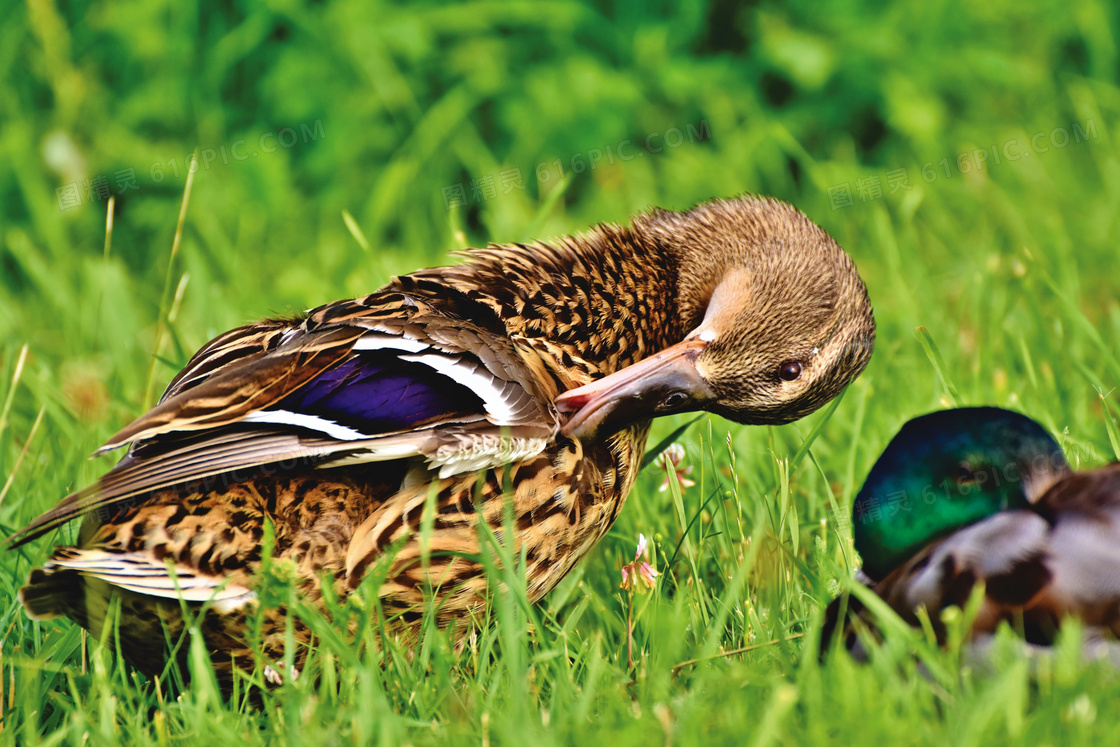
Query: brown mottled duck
(529, 368)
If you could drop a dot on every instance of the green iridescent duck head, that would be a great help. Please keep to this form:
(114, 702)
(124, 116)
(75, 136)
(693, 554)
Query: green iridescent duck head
(946, 470)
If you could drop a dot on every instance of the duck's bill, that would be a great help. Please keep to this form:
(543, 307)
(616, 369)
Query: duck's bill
(663, 384)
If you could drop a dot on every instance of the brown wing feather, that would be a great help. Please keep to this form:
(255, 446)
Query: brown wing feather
(195, 461)
(195, 433)
(451, 321)
(249, 385)
(239, 345)
(201, 459)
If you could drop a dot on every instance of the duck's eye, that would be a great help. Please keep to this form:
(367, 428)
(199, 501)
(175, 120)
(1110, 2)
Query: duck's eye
(966, 476)
(673, 399)
(790, 371)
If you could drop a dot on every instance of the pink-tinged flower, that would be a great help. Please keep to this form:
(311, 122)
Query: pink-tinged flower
(670, 460)
(642, 548)
(647, 573)
(638, 574)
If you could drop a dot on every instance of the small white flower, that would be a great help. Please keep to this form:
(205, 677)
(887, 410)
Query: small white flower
(670, 460)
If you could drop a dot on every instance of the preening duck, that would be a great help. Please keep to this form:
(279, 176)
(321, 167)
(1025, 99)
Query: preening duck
(984, 495)
(530, 368)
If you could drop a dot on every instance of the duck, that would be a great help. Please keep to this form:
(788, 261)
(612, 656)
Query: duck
(983, 495)
(523, 378)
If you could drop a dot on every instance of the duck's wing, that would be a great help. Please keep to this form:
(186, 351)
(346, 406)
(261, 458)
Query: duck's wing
(1084, 547)
(394, 375)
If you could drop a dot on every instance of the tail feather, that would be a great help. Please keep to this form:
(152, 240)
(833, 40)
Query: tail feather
(76, 583)
(50, 593)
(141, 596)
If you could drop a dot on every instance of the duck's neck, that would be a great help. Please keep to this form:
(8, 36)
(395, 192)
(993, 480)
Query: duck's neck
(608, 297)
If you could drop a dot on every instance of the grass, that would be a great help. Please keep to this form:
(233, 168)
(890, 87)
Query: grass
(992, 283)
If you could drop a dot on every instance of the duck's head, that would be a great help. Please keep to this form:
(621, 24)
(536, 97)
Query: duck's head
(779, 321)
(944, 471)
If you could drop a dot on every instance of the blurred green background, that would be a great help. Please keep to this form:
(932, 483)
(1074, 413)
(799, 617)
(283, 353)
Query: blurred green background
(388, 112)
(963, 153)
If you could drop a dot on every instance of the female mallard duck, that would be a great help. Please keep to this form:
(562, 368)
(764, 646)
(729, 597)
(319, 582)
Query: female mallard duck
(534, 367)
(982, 494)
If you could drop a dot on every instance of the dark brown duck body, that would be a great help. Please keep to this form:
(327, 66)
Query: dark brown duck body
(534, 367)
